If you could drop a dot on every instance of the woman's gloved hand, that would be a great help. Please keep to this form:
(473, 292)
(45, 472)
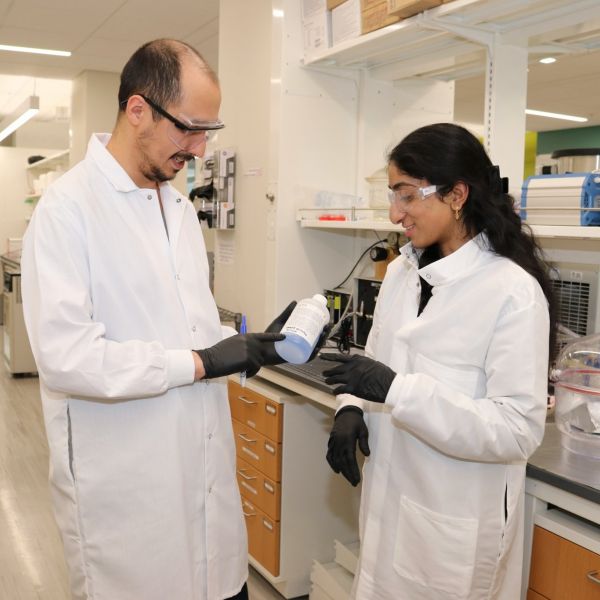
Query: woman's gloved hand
(348, 428)
(360, 376)
(247, 352)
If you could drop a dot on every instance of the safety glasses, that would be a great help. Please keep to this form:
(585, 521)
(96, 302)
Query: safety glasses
(402, 194)
(186, 133)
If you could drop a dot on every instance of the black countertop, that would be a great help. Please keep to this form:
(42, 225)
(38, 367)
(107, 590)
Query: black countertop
(557, 466)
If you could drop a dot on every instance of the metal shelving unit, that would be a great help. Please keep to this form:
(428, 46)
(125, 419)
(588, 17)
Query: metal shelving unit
(449, 42)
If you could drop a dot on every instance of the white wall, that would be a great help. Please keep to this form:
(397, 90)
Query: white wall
(94, 108)
(15, 188)
(298, 129)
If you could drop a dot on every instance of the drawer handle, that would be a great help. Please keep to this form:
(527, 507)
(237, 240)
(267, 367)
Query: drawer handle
(246, 401)
(269, 448)
(267, 525)
(249, 488)
(270, 409)
(242, 472)
(249, 514)
(593, 576)
(269, 488)
(246, 439)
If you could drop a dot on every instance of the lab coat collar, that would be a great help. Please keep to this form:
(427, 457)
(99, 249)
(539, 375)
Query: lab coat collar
(108, 164)
(112, 169)
(458, 264)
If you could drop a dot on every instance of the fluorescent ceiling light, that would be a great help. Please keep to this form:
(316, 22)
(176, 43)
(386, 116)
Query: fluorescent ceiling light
(278, 13)
(20, 116)
(541, 113)
(548, 60)
(34, 50)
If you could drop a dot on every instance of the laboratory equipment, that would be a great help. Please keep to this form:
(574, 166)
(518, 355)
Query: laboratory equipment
(303, 329)
(366, 291)
(577, 393)
(567, 199)
(577, 160)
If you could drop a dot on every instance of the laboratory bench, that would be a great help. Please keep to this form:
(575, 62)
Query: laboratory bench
(562, 505)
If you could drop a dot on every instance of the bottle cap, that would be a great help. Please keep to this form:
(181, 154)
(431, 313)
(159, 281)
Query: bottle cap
(320, 298)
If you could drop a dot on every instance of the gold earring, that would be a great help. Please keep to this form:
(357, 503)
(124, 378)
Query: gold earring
(457, 213)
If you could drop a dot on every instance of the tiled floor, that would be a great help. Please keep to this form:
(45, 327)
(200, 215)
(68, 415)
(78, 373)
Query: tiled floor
(31, 560)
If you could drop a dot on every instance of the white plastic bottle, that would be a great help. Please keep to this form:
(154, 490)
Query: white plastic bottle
(302, 329)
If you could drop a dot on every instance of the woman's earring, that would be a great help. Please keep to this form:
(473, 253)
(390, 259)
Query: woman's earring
(457, 213)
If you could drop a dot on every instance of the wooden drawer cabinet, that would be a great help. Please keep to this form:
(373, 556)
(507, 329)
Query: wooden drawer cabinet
(256, 411)
(560, 569)
(258, 488)
(286, 485)
(258, 450)
(263, 537)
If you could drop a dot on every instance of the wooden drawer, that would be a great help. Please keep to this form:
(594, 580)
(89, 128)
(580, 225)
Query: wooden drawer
(256, 411)
(257, 450)
(258, 488)
(559, 568)
(263, 537)
(531, 595)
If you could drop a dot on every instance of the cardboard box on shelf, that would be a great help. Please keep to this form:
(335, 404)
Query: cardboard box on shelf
(356, 17)
(376, 16)
(408, 8)
(316, 31)
(310, 8)
(345, 21)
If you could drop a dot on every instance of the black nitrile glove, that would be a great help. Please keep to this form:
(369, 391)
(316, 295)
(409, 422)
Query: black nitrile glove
(271, 356)
(348, 428)
(247, 352)
(360, 376)
(320, 342)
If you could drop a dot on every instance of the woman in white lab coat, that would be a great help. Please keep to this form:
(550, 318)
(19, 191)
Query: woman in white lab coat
(455, 378)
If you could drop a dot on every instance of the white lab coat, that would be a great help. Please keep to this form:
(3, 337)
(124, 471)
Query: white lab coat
(462, 416)
(142, 460)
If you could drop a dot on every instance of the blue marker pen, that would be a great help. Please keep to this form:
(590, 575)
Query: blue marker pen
(242, 331)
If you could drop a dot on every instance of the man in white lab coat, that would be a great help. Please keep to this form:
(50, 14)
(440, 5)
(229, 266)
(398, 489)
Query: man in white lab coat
(116, 296)
(454, 381)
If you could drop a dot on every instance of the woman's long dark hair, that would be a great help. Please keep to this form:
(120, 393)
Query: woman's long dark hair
(444, 154)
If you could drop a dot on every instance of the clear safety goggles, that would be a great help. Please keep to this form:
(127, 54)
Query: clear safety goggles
(186, 133)
(405, 193)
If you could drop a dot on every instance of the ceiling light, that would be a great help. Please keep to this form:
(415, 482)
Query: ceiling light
(541, 113)
(34, 50)
(548, 60)
(20, 116)
(278, 13)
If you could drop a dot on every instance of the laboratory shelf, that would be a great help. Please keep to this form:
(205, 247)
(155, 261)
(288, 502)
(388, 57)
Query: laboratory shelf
(449, 41)
(60, 159)
(362, 224)
(566, 232)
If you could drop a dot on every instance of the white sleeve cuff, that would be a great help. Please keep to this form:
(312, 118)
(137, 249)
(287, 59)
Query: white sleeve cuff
(349, 400)
(180, 368)
(394, 395)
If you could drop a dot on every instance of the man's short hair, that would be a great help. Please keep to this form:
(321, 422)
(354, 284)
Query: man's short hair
(154, 70)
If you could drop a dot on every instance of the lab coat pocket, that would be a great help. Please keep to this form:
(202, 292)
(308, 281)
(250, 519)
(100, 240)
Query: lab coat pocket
(465, 380)
(435, 550)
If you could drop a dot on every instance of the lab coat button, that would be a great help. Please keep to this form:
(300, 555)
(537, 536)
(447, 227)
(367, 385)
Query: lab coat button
(194, 328)
(149, 196)
(177, 276)
(210, 436)
(210, 489)
(428, 276)
(178, 199)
